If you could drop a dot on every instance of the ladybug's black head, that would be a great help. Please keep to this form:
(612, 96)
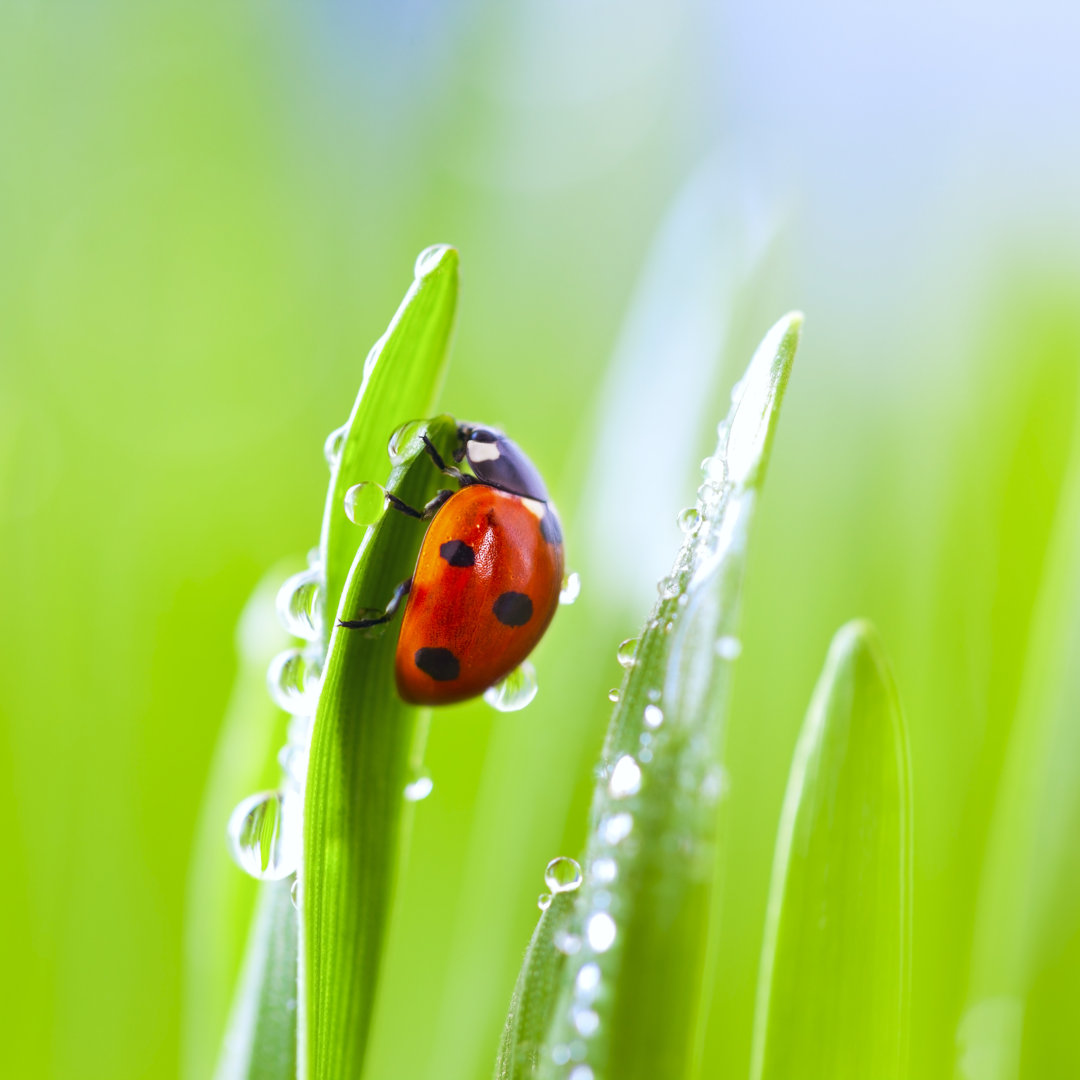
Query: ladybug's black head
(499, 462)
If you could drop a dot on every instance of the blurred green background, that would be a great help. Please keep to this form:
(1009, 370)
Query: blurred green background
(209, 211)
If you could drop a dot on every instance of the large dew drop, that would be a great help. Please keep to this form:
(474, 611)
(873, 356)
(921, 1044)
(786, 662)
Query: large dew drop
(571, 588)
(365, 503)
(428, 260)
(264, 835)
(563, 874)
(515, 691)
(625, 778)
(299, 604)
(405, 442)
(293, 680)
(600, 931)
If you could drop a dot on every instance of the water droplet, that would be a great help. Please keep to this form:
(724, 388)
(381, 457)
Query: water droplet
(588, 979)
(689, 519)
(617, 827)
(653, 694)
(429, 259)
(568, 944)
(626, 654)
(728, 647)
(335, 443)
(600, 931)
(625, 778)
(714, 470)
(515, 691)
(653, 716)
(585, 1020)
(613, 695)
(419, 788)
(293, 679)
(668, 587)
(645, 755)
(562, 874)
(604, 870)
(560, 1054)
(264, 835)
(543, 902)
(581, 1072)
(571, 588)
(365, 503)
(294, 895)
(405, 442)
(299, 602)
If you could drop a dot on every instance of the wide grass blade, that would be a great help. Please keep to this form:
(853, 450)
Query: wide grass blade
(359, 767)
(628, 997)
(1024, 994)
(834, 991)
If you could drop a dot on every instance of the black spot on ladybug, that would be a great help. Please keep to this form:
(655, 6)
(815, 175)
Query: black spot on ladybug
(549, 528)
(441, 664)
(457, 553)
(513, 609)
(490, 515)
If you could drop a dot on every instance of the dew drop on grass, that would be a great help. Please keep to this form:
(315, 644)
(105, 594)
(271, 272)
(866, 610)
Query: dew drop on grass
(613, 695)
(264, 835)
(617, 827)
(603, 870)
(429, 259)
(335, 443)
(293, 680)
(626, 654)
(585, 1020)
(653, 716)
(298, 605)
(543, 901)
(728, 647)
(625, 778)
(588, 979)
(571, 588)
(689, 519)
(568, 944)
(419, 788)
(365, 503)
(515, 691)
(668, 588)
(405, 442)
(560, 1054)
(581, 1072)
(562, 874)
(600, 931)
(653, 694)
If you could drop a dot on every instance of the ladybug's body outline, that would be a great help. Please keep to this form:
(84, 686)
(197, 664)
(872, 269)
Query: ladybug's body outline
(487, 577)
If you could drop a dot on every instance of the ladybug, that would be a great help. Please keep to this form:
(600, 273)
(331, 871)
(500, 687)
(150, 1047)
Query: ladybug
(487, 578)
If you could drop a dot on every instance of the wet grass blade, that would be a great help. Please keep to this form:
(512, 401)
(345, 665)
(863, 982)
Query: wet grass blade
(628, 996)
(360, 752)
(403, 374)
(833, 995)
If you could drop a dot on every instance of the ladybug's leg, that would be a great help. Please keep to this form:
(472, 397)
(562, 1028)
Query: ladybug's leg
(457, 474)
(395, 602)
(427, 513)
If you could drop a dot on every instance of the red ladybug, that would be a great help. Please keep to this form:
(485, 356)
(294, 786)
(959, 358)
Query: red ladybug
(487, 579)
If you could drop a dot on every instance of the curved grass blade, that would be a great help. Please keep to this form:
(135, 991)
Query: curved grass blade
(360, 750)
(833, 995)
(641, 915)
(1024, 993)
(220, 898)
(403, 374)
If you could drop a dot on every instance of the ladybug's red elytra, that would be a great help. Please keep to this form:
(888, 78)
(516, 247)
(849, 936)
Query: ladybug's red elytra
(487, 578)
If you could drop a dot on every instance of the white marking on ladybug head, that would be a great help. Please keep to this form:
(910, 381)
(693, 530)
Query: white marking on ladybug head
(535, 507)
(482, 451)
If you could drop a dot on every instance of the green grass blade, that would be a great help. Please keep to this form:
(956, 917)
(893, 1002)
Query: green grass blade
(403, 374)
(220, 897)
(360, 752)
(834, 990)
(629, 996)
(261, 1043)
(1024, 993)
(534, 997)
